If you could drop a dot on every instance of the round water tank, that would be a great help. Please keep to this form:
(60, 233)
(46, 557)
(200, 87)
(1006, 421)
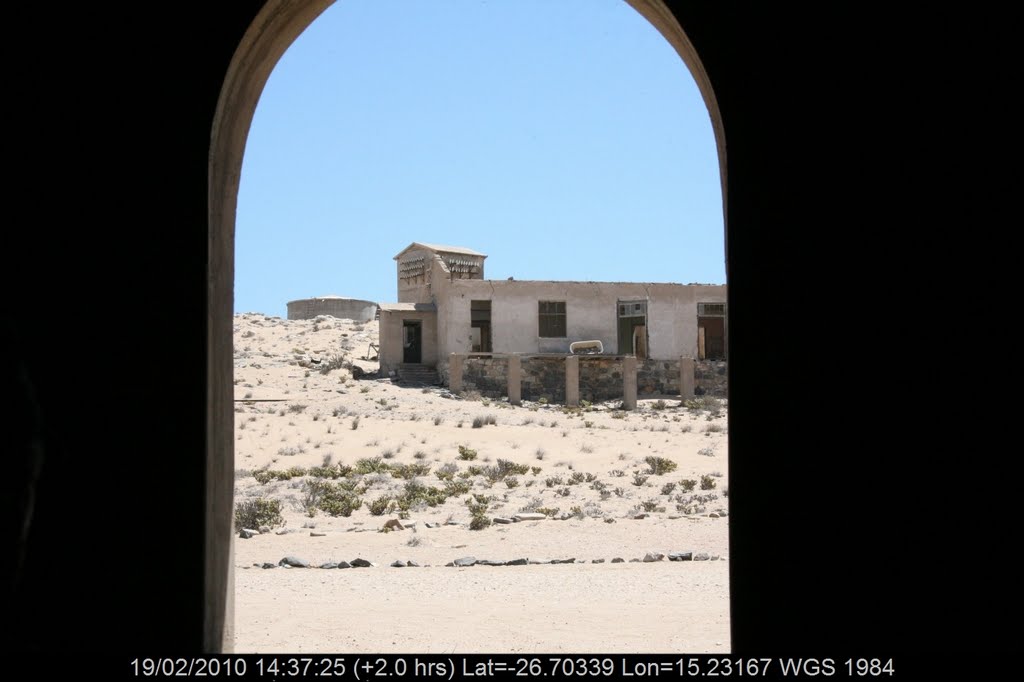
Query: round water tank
(335, 306)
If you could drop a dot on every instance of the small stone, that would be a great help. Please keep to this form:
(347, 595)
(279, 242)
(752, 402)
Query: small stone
(723, 513)
(634, 561)
(680, 556)
(563, 561)
(597, 561)
(517, 562)
(536, 562)
(465, 561)
(361, 563)
(429, 524)
(715, 557)
(703, 556)
(245, 534)
(638, 516)
(618, 560)
(451, 522)
(713, 515)
(653, 556)
(264, 529)
(282, 532)
(329, 564)
(412, 564)
(609, 520)
(450, 563)
(488, 562)
(267, 564)
(398, 563)
(502, 520)
(344, 564)
(294, 562)
(529, 516)
(394, 524)
(409, 524)
(317, 535)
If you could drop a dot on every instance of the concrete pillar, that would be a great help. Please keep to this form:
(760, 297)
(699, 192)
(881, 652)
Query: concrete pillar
(455, 372)
(572, 381)
(629, 382)
(686, 378)
(515, 380)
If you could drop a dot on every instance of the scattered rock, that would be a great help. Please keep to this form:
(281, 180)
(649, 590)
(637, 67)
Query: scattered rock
(680, 556)
(245, 533)
(293, 562)
(536, 562)
(450, 563)
(653, 556)
(488, 562)
(618, 560)
(394, 524)
(451, 522)
(639, 515)
(412, 564)
(344, 564)
(317, 535)
(267, 564)
(517, 562)
(264, 529)
(429, 524)
(701, 557)
(565, 516)
(398, 563)
(465, 561)
(329, 564)
(283, 532)
(361, 563)
(597, 561)
(634, 561)
(563, 561)
(723, 513)
(609, 520)
(529, 516)
(502, 520)
(715, 557)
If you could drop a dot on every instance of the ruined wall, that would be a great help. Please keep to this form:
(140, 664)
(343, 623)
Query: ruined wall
(343, 308)
(485, 374)
(710, 378)
(544, 377)
(657, 377)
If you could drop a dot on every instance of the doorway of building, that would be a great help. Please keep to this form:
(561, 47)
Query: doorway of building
(633, 328)
(711, 331)
(480, 326)
(412, 341)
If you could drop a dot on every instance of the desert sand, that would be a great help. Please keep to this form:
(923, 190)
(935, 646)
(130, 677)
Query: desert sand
(585, 463)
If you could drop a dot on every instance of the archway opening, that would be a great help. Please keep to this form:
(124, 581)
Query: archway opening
(278, 25)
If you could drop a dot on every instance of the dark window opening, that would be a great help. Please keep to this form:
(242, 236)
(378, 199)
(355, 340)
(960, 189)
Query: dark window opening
(632, 328)
(551, 318)
(480, 326)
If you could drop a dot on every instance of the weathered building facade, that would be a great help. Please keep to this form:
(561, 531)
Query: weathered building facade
(446, 306)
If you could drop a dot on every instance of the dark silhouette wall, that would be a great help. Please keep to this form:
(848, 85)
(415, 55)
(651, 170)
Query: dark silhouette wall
(832, 180)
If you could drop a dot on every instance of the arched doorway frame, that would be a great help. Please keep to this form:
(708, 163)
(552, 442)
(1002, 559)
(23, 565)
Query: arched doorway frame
(274, 29)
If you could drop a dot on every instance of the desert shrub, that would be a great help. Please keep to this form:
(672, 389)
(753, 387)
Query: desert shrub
(707, 483)
(668, 488)
(291, 452)
(620, 492)
(619, 414)
(466, 453)
(639, 479)
(707, 452)
(650, 505)
(660, 465)
(296, 408)
(371, 465)
(553, 481)
(336, 501)
(687, 484)
(512, 482)
(379, 506)
(618, 473)
(478, 422)
(479, 522)
(455, 488)
(408, 471)
(577, 511)
(703, 403)
(658, 405)
(355, 422)
(713, 428)
(332, 363)
(535, 470)
(577, 477)
(257, 512)
(438, 420)
(447, 471)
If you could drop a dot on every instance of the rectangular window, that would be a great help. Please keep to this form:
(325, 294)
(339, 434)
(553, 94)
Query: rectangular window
(552, 319)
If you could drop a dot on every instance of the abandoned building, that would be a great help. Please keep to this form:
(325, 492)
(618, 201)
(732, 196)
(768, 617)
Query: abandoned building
(448, 313)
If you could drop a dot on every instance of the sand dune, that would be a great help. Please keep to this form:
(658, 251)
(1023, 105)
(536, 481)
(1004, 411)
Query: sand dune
(584, 463)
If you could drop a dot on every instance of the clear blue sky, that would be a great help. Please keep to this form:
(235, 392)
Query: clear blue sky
(564, 138)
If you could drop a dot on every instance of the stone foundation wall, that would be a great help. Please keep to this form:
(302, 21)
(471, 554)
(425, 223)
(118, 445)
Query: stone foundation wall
(657, 377)
(544, 378)
(600, 378)
(710, 378)
(486, 375)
